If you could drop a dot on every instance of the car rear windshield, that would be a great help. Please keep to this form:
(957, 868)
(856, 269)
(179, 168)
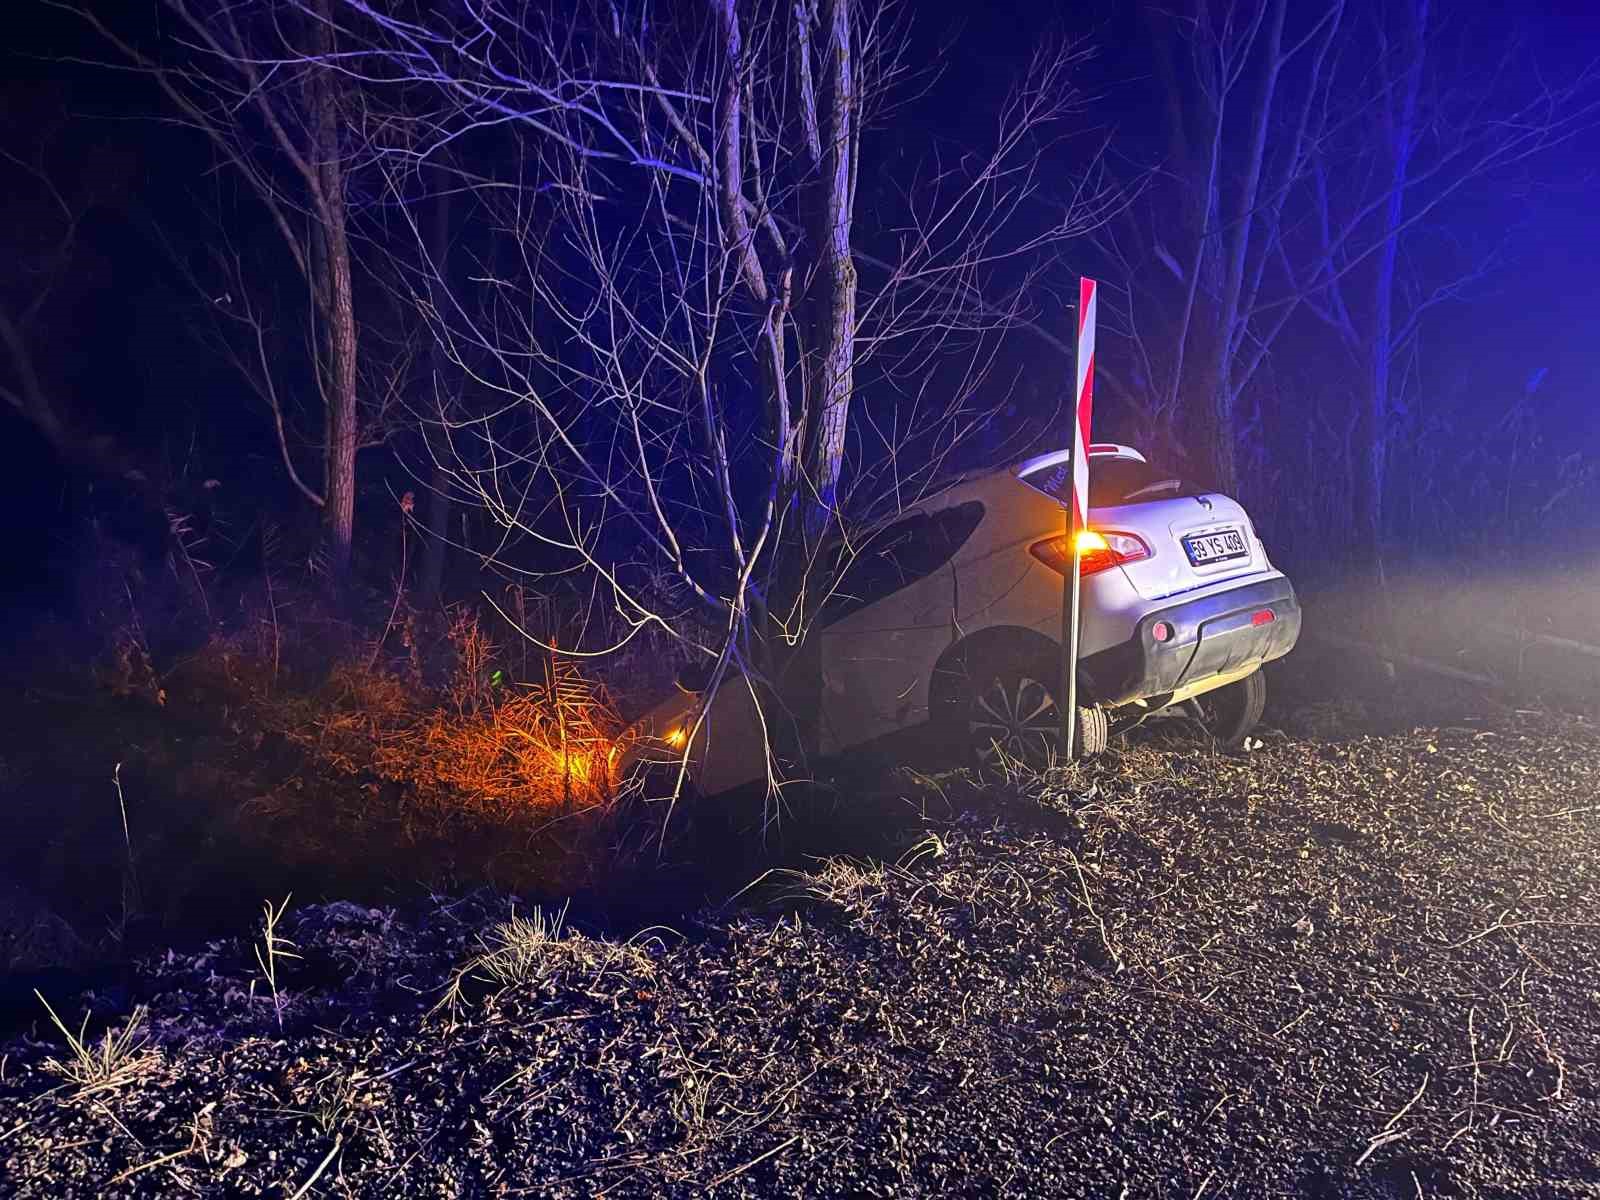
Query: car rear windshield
(1114, 481)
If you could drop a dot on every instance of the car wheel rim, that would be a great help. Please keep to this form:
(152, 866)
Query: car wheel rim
(1014, 719)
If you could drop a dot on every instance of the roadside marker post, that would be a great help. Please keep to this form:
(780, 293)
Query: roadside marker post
(1078, 510)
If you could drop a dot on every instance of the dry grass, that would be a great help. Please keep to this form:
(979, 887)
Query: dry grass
(119, 1058)
(523, 949)
(859, 887)
(386, 769)
(524, 749)
(845, 882)
(445, 718)
(529, 949)
(520, 949)
(1275, 950)
(496, 746)
(272, 952)
(127, 669)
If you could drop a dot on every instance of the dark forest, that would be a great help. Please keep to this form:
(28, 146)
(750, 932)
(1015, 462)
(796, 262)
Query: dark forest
(601, 517)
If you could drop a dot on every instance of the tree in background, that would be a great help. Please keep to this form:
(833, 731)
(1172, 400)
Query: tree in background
(1301, 205)
(251, 79)
(1194, 263)
(1410, 126)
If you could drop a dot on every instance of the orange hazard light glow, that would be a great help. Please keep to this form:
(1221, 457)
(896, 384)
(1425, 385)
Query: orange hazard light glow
(1097, 551)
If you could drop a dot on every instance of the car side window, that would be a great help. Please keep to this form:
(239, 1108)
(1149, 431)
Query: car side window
(905, 552)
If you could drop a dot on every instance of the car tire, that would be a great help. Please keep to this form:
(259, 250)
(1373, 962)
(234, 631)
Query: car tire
(991, 706)
(1231, 712)
(1094, 731)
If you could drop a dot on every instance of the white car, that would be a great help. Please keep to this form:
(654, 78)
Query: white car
(952, 616)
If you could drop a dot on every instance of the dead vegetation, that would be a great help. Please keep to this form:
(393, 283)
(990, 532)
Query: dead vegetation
(118, 1058)
(478, 740)
(534, 947)
(176, 790)
(1356, 963)
(272, 952)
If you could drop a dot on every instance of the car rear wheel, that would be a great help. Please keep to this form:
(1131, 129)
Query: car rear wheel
(1231, 712)
(995, 706)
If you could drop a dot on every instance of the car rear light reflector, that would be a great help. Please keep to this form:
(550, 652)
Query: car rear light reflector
(1265, 617)
(1098, 550)
(1161, 631)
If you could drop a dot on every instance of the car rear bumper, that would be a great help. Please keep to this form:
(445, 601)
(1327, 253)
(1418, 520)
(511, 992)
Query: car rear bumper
(1218, 634)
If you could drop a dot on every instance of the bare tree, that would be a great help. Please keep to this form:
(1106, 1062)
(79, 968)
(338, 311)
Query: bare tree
(42, 212)
(252, 81)
(1408, 128)
(706, 397)
(1196, 262)
(1308, 148)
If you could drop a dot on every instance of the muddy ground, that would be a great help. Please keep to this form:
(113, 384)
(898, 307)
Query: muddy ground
(1356, 961)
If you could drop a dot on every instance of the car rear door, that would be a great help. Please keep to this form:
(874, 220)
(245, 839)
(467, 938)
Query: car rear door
(892, 616)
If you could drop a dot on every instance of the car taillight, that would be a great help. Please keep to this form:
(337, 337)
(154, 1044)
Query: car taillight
(1098, 550)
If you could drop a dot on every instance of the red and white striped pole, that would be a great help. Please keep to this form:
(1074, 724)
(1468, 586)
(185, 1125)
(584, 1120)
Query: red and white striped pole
(1078, 510)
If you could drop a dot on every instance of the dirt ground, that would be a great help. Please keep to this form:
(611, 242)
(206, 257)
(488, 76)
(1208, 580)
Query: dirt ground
(1355, 961)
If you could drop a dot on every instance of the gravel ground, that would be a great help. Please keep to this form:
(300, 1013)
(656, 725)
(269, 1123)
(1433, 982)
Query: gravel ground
(1344, 964)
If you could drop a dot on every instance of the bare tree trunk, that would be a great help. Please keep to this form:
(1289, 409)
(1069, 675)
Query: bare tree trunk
(437, 546)
(339, 492)
(830, 329)
(1245, 104)
(1372, 424)
(338, 514)
(1235, 322)
(834, 323)
(1372, 430)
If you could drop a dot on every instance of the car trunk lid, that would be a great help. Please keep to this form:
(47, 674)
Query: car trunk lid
(1194, 541)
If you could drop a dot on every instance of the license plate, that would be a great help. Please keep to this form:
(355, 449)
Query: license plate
(1206, 548)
